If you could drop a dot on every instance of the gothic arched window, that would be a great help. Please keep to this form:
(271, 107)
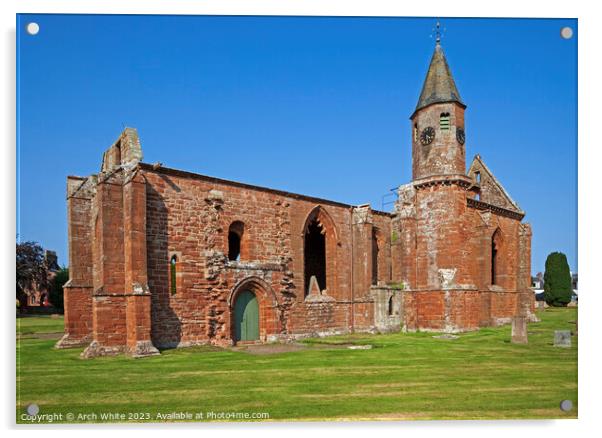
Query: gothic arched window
(495, 249)
(172, 274)
(235, 235)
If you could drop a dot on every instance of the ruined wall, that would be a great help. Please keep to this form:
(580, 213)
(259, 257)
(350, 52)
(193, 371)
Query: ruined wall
(78, 290)
(107, 294)
(388, 308)
(426, 267)
(189, 215)
(445, 247)
(442, 234)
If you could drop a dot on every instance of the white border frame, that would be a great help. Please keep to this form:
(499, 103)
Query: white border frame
(588, 207)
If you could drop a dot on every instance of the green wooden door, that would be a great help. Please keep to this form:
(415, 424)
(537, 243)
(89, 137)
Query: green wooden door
(246, 317)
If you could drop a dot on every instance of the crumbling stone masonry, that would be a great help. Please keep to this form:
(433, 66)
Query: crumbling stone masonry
(163, 258)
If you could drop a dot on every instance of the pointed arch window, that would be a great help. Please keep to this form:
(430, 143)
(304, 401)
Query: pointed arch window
(390, 306)
(319, 251)
(235, 240)
(173, 270)
(495, 249)
(375, 253)
(315, 254)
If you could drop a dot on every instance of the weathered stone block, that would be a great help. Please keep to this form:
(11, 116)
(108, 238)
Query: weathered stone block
(562, 338)
(519, 330)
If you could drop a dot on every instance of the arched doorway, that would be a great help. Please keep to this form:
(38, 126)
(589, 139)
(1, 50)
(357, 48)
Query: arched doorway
(246, 317)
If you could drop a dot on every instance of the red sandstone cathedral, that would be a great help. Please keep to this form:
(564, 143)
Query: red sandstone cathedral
(163, 258)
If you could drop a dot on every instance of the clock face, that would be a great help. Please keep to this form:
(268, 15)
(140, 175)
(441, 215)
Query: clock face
(427, 136)
(460, 135)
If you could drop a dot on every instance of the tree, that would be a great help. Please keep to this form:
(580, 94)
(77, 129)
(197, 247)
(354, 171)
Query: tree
(56, 288)
(557, 284)
(31, 268)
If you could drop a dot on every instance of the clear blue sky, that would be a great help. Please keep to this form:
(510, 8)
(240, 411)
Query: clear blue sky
(317, 106)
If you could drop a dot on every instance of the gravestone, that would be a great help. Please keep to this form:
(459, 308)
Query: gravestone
(562, 338)
(519, 330)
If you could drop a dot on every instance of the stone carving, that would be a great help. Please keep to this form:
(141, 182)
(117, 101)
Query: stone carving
(446, 277)
(362, 214)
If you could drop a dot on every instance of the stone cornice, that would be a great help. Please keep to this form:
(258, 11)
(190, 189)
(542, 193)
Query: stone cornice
(184, 174)
(479, 205)
(443, 180)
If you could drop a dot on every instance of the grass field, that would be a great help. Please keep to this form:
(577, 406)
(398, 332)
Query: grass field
(480, 375)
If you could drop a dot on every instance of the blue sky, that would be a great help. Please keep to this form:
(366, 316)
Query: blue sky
(317, 106)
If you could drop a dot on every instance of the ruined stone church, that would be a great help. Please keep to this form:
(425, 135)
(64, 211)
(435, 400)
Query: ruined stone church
(163, 258)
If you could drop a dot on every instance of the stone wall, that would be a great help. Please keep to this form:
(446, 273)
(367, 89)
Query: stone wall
(151, 263)
(189, 215)
(444, 156)
(388, 308)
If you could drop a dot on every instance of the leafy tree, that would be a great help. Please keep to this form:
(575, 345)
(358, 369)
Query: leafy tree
(31, 268)
(557, 284)
(56, 288)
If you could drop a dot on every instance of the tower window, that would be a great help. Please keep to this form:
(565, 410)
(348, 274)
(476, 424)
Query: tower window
(444, 121)
(235, 234)
(172, 274)
(390, 306)
(477, 177)
(415, 132)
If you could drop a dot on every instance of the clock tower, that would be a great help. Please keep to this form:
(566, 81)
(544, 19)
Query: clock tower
(438, 123)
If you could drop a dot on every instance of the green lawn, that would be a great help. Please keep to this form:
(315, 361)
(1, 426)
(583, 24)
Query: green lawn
(481, 375)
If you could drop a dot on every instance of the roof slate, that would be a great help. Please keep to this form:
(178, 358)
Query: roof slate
(439, 85)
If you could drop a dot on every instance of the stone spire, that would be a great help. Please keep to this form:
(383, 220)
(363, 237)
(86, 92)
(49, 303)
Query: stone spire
(439, 85)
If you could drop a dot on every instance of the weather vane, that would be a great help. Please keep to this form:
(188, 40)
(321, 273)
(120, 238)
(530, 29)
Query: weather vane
(438, 32)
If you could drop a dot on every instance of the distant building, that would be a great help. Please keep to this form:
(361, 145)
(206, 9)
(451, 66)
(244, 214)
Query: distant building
(574, 281)
(537, 284)
(537, 281)
(38, 297)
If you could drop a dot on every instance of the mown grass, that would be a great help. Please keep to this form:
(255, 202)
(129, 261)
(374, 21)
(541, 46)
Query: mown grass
(481, 375)
(36, 324)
